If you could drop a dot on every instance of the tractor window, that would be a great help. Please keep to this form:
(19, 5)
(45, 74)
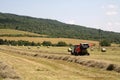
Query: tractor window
(85, 46)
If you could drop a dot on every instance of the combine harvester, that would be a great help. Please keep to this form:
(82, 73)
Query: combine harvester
(79, 49)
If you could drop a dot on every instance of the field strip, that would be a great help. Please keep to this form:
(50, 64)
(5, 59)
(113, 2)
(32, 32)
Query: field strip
(62, 69)
(39, 51)
(89, 63)
(43, 67)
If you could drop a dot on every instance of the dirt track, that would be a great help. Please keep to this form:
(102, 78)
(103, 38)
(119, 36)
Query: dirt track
(30, 63)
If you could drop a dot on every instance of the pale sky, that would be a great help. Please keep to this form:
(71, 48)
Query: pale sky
(100, 14)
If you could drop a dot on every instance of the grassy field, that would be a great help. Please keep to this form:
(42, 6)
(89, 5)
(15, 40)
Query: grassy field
(53, 40)
(13, 32)
(111, 56)
(36, 68)
(13, 36)
(48, 67)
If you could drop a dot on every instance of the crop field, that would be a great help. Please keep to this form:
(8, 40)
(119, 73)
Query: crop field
(12, 32)
(53, 40)
(55, 63)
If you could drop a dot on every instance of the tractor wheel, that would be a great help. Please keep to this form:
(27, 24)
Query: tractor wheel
(72, 53)
(76, 54)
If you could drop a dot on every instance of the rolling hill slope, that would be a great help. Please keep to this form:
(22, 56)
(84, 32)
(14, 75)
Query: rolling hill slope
(54, 28)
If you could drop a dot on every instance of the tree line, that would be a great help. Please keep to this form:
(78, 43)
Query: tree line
(27, 43)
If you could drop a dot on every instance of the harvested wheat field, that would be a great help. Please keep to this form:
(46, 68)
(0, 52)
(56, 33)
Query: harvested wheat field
(13, 32)
(53, 40)
(55, 63)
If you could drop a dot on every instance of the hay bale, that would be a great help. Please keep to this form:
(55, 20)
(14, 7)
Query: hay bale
(48, 46)
(110, 67)
(38, 47)
(28, 47)
(69, 49)
(103, 50)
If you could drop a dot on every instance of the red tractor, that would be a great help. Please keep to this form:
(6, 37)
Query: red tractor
(79, 49)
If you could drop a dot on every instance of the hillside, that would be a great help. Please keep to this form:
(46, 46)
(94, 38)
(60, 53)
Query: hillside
(54, 28)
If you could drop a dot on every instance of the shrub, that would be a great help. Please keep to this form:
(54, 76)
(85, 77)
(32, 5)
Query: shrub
(47, 43)
(61, 43)
(105, 43)
(1, 41)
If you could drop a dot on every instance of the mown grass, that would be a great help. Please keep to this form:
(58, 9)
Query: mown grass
(1, 78)
(111, 55)
(53, 40)
(35, 68)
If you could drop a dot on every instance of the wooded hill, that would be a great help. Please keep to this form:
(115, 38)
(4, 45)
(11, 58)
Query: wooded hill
(54, 28)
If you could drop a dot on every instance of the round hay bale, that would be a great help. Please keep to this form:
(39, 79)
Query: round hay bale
(38, 47)
(103, 50)
(29, 47)
(69, 49)
(48, 46)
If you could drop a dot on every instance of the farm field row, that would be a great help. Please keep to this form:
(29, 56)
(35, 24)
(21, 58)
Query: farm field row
(36, 68)
(111, 56)
(17, 32)
(53, 40)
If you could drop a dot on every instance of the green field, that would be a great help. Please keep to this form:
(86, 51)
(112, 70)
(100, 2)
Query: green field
(38, 68)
